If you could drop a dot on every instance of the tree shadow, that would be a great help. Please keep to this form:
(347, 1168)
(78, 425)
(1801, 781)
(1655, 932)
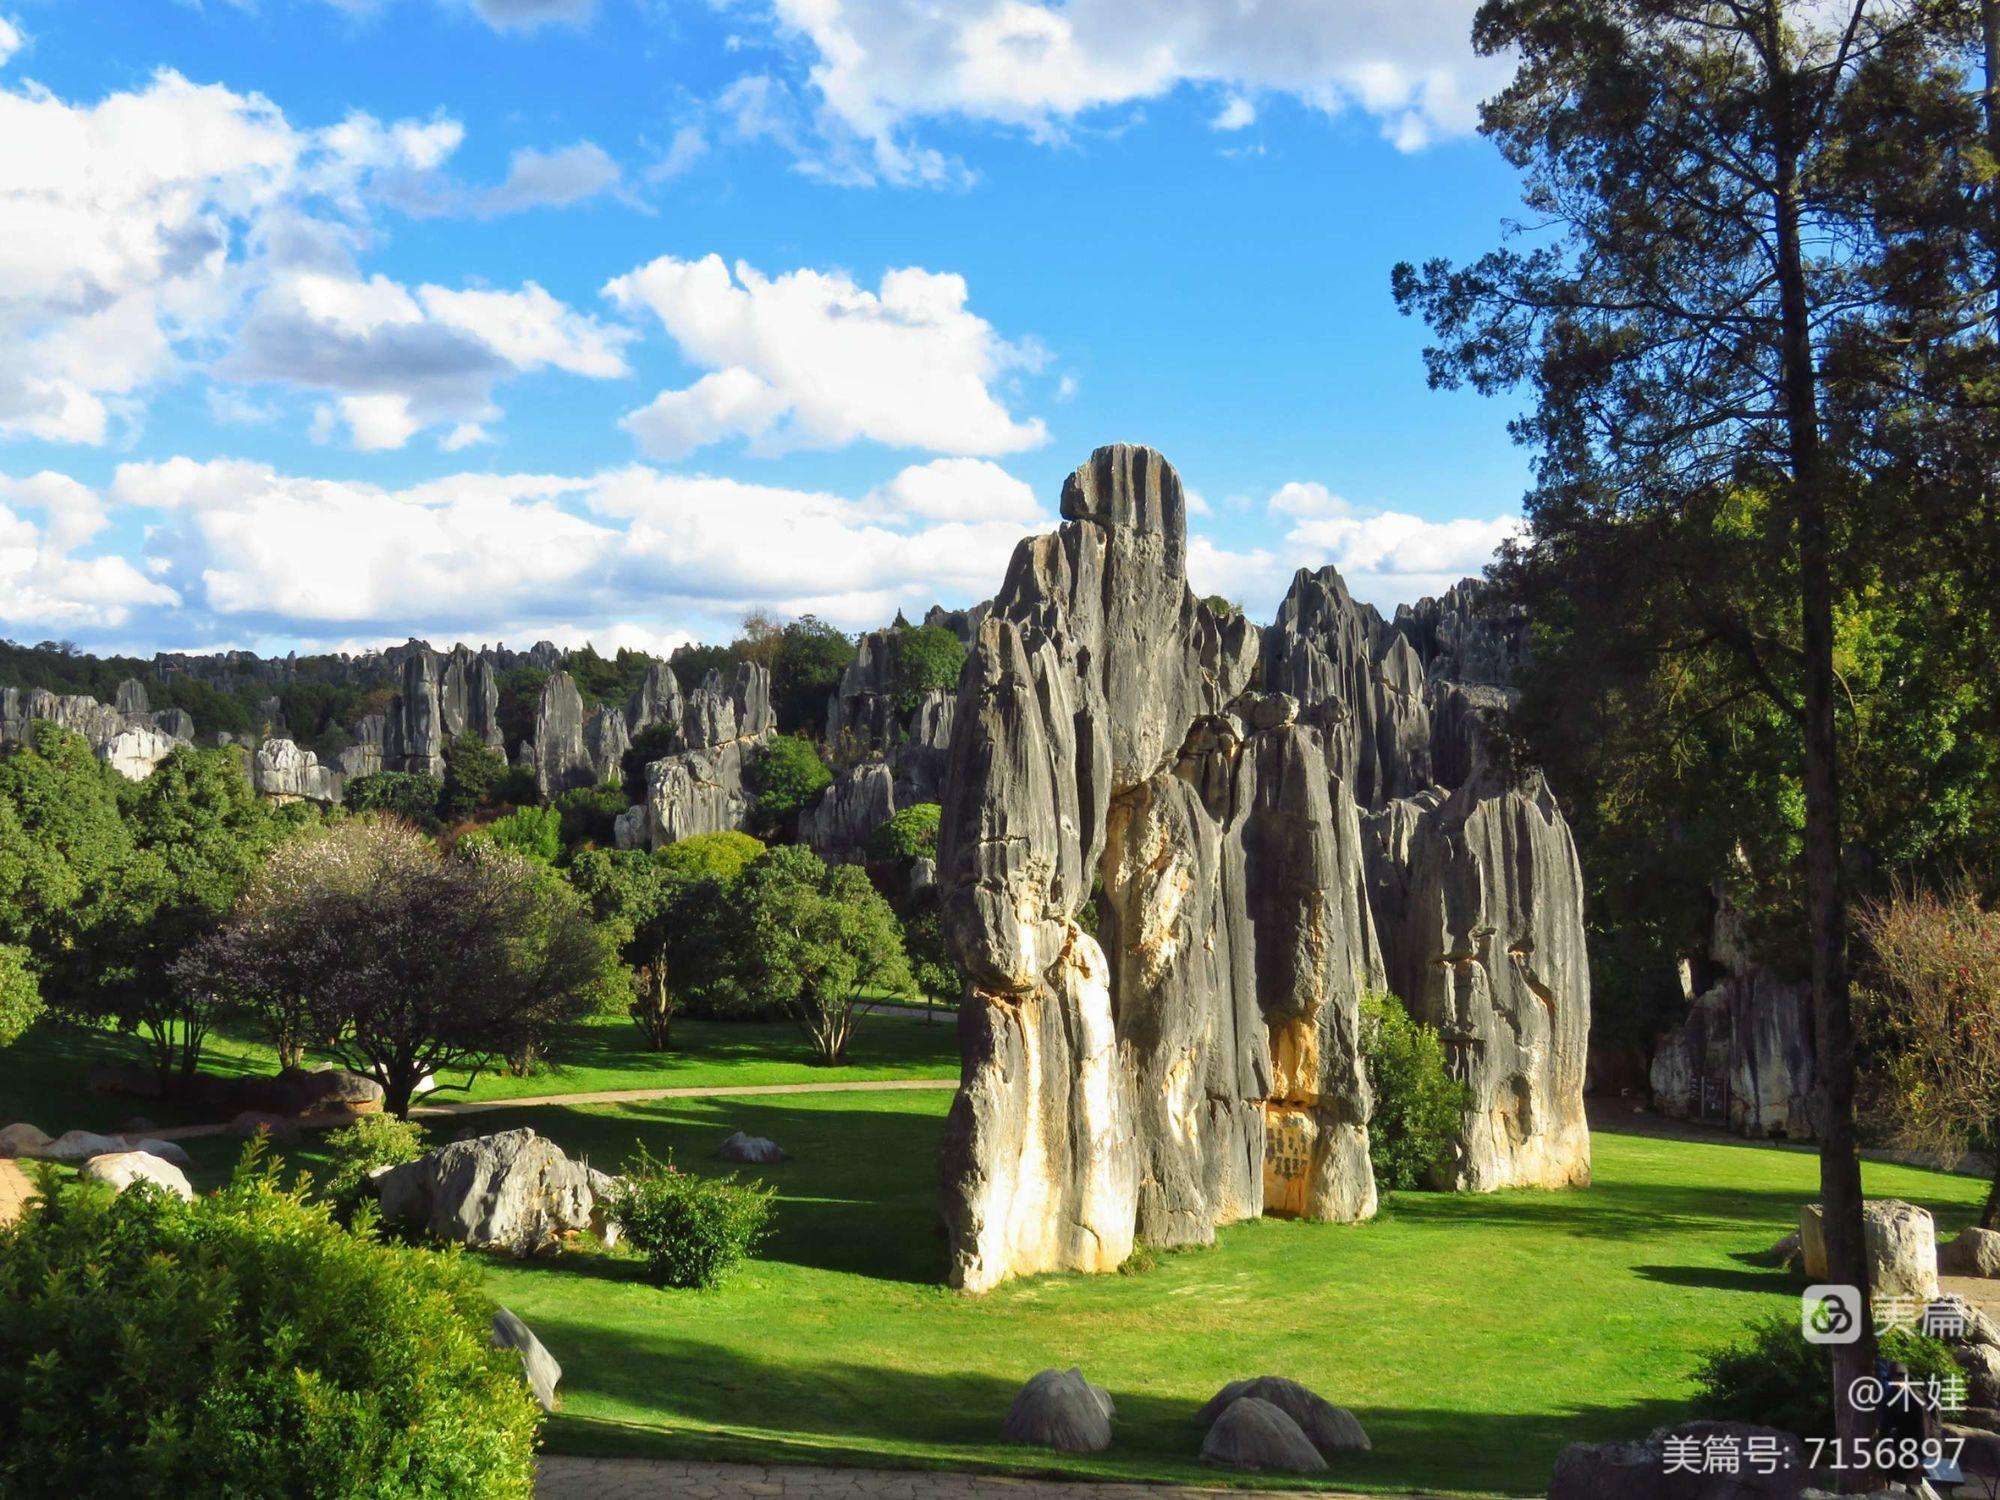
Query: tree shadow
(1716, 1278)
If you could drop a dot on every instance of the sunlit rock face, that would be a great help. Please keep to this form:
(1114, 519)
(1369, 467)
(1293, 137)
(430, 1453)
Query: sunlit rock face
(700, 786)
(442, 694)
(1471, 871)
(1170, 891)
(125, 734)
(1116, 1085)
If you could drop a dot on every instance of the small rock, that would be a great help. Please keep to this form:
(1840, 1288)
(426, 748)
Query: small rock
(1329, 1428)
(1976, 1252)
(23, 1140)
(1899, 1239)
(1638, 1471)
(755, 1149)
(123, 1168)
(1060, 1409)
(327, 1088)
(1784, 1253)
(77, 1146)
(537, 1364)
(1981, 1364)
(1254, 1434)
(601, 1223)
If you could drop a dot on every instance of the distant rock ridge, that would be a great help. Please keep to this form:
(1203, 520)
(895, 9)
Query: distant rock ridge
(1256, 860)
(895, 752)
(126, 735)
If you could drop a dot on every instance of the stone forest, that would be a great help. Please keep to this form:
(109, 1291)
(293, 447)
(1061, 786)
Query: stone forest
(1425, 921)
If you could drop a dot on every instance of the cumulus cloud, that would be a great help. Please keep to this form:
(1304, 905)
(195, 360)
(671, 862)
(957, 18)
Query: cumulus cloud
(43, 583)
(810, 359)
(11, 40)
(231, 551)
(880, 67)
(1387, 557)
(405, 359)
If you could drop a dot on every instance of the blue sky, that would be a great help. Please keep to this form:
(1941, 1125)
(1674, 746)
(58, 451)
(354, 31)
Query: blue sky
(326, 324)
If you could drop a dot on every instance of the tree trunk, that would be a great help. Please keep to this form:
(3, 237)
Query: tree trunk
(1826, 899)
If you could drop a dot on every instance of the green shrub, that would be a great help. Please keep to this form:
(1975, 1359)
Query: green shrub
(589, 814)
(1418, 1104)
(690, 1229)
(20, 993)
(472, 772)
(928, 657)
(354, 1151)
(535, 832)
(1774, 1378)
(408, 795)
(245, 1344)
(912, 833)
(785, 777)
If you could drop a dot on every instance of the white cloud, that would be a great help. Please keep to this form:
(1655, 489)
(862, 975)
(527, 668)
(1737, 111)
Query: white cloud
(529, 15)
(1387, 557)
(879, 67)
(552, 179)
(688, 146)
(961, 489)
(11, 40)
(1237, 113)
(810, 359)
(42, 582)
(409, 359)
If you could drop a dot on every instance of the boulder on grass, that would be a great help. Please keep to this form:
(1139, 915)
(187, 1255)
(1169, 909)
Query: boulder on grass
(1639, 1471)
(601, 1223)
(1976, 1252)
(121, 1169)
(1329, 1428)
(77, 1146)
(1254, 1434)
(1898, 1238)
(1060, 1409)
(23, 1140)
(165, 1150)
(754, 1149)
(537, 1364)
(512, 1191)
(321, 1090)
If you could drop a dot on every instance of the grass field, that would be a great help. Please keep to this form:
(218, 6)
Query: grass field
(45, 1076)
(1474, 1336)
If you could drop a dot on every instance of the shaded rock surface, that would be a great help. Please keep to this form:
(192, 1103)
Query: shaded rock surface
(1260, 859)
(1976, 1252)
(1060, 1409)
(700, 786)
(1329, 1428)
(125, 734)
(756, 1149)
(1256, 1434)
(860, 800)
(1640, 1471)
(513, 1191)
(1899, 1239)
(23, 1139)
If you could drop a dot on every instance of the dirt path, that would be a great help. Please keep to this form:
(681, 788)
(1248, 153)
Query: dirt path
(648, 1479)
(15, 1191)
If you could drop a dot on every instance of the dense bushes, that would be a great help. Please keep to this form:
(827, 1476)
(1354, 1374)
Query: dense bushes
(20, 992)
(244, 1344)
(784, 778)
(690, 1229)
(1418, 1104)
(1772, 1377)
(408, 795)
(358, 1149)
(912, 833)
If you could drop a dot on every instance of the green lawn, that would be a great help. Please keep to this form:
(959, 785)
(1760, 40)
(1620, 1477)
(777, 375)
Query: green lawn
(1474, 1336)
(44, 1076)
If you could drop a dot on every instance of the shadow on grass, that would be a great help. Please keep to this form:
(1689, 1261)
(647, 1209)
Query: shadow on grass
(708, 1402)
(1716, 1278)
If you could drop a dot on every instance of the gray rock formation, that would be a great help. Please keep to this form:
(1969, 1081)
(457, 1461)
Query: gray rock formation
(860, 800)
(1060, 1409)
(538, 1366)
(514, 1191)
(121, 1169)
(286, 772)
(1898, 1238)
(698, 787)
(559, 756)
(126, 735)
(440, 696)
(1329, 1428)
(1254, 1434)
(1744, 1056)
(1265, 858)
(1976, 1252)
(756, 1150)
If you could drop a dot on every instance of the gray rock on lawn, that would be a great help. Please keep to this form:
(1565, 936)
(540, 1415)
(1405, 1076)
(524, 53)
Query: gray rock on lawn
(166, 1151)
(1254, 1434)
(1976, 1252)
(1981, 1364)
(330, 1088)
(755, 1149)
(77, 1146)
(1900, 1241)
(537, 1364)
(23, 1140)
(601, 1223)
(120, 1169)
(1638, 1471)
(1060, 1409)
(1329, 1428)
(512, 1191)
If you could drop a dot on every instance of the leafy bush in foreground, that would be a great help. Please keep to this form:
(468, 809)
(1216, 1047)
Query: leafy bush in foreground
(356, 1150)
(1774, 1378)
(1418, 1104)
(244, 1344)
(690, 1229)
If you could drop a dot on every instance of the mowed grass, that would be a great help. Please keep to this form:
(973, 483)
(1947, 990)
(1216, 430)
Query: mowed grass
(44, 1077)
(1474, 1336)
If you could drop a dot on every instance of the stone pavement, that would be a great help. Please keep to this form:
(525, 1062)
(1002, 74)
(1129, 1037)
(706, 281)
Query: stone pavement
(668, 1479)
